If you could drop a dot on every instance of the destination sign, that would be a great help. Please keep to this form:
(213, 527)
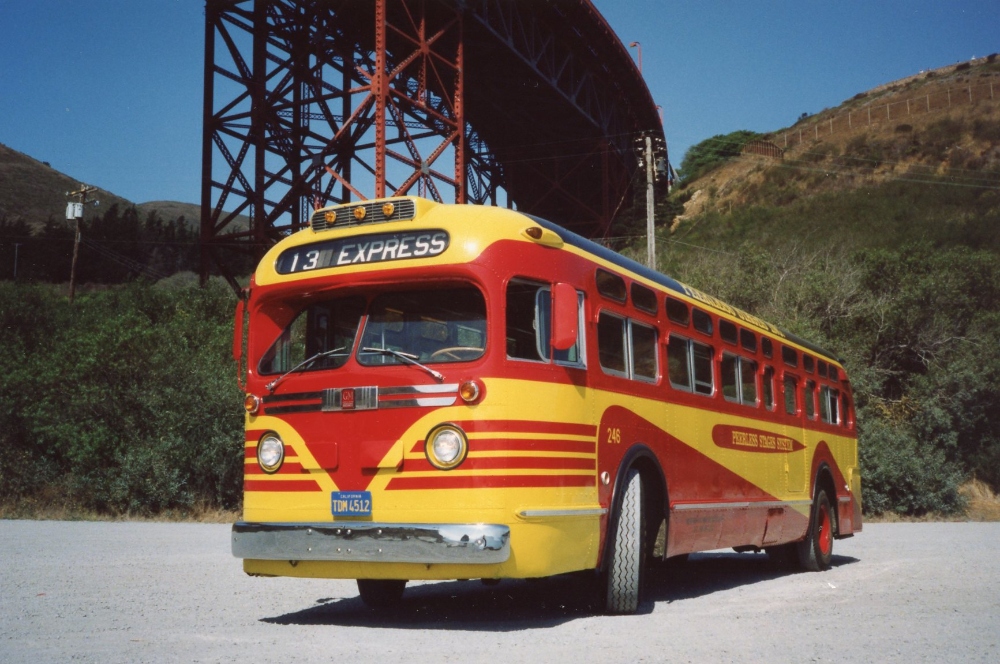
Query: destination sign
(363, 249)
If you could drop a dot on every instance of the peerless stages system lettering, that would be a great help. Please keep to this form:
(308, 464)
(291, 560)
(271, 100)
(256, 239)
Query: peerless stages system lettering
(375, 248)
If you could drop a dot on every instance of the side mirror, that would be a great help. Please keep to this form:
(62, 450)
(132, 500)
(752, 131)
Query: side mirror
(565, 316)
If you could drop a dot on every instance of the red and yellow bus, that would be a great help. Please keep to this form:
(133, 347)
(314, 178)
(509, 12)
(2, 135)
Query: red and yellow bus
(460, 392)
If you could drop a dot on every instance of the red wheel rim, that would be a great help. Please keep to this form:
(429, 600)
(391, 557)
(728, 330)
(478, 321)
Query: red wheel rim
(825, 536)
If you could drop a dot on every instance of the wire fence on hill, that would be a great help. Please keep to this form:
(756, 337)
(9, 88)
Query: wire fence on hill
(895, 111)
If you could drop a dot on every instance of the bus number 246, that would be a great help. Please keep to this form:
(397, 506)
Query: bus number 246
(614, 436)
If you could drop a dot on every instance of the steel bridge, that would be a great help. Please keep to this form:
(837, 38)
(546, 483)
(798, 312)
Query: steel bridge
(533, 104)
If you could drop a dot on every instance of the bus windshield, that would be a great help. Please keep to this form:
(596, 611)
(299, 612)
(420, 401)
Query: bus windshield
(328, 328)
(429, 326)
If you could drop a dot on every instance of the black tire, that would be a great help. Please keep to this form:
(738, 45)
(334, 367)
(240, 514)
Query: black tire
(816, 550)
(624, 569)
(379, 593)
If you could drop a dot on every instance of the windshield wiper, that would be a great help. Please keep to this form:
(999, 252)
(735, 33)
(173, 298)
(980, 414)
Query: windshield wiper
(301, 365)
(406, 357)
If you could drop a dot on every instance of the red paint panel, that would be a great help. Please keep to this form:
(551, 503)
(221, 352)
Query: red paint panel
(290, 485)
(508, 463)
(489, 482)
(286, 469)
(527, 426)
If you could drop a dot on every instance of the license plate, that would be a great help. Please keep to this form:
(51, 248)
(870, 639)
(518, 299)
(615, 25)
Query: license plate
(351, 503)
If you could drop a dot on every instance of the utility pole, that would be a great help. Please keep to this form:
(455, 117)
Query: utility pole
(645, 146)
(75, 211)
(17, 246)
(650, 226)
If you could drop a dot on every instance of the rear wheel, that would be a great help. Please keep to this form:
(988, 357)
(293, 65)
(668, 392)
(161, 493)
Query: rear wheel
(625, 565)
(816, 550)
(379, 593)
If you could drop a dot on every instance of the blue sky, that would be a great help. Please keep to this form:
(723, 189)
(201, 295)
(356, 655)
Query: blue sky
(110, 91)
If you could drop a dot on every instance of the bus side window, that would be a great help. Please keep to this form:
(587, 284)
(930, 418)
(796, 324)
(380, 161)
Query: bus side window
(523, 331)
(809, 398)
(644, 347)
(611, 344)
(701, 359)
(689, 365)
(768, 387)
(678, 362)
(739, 379)
(790, 386)
(829, 400)
(529, 325)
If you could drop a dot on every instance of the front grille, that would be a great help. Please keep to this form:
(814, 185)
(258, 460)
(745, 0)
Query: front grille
(402, 210)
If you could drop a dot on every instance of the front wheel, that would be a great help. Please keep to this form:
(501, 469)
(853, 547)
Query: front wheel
(816, 550)
(379, 593)
(625, 565)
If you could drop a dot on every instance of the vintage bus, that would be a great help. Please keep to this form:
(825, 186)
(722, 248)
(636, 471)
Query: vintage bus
(464, 392)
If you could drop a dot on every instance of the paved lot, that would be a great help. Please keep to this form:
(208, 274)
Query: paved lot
(131, 592)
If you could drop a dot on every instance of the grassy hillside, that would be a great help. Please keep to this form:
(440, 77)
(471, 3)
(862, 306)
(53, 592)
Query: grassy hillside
(33, 191)
(880, 242)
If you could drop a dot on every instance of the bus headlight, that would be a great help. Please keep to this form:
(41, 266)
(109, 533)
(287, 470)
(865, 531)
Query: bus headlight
(446, 446)
(270, 453)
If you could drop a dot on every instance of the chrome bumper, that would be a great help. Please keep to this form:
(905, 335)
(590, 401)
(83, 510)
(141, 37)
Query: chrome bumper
(373, 542)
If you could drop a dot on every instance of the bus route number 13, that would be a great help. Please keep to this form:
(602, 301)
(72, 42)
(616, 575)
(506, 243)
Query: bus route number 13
(614, 436)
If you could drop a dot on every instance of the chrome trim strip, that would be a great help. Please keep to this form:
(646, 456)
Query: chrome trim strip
(419, 389)
(739, 505)
(424, 543)
(583, 511)
(844, 499)
(408, 403)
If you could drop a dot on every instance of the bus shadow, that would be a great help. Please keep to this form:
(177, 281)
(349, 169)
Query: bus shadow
(706, 573)
(515, 605)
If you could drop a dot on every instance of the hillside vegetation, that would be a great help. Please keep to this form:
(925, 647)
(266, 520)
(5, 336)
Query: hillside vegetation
(882, 244)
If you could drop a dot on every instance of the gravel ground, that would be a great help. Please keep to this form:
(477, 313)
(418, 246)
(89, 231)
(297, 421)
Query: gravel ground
(155, 592)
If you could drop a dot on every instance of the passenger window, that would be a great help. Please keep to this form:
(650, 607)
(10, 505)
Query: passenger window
(702, 321)
(748, 382)
(702, 361)
(748, 340)
(727, 331)
(644, 364)
(767, 387)
(644, 298)
(829, 399)
(677, 311)
(789, 356)
(678, 362)
(739, 379)
(690, 365)
(611, 343)
(790, 388)
(809, 398)
(766, 347)
(807, 363)
(729, 371)
(611, 286)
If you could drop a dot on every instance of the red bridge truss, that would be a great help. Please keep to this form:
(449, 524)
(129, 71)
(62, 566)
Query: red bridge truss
(528, 103)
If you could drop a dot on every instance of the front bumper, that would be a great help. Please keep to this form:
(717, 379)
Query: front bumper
(373, 542)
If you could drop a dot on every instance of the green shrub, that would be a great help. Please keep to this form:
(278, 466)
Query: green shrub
(903, 474)
(123, 402)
